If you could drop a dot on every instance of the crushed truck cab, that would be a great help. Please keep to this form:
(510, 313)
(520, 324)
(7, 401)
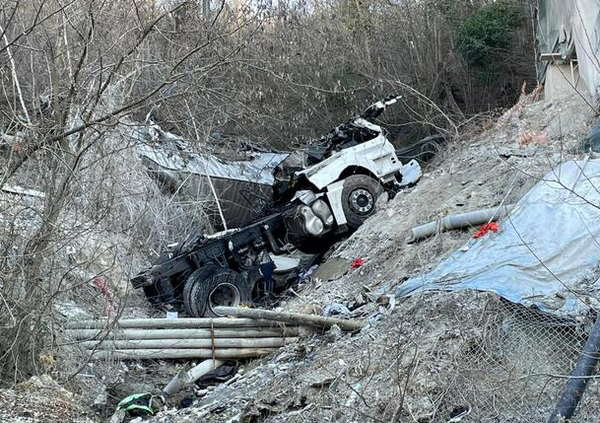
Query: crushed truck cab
(376, 157)
(328, 190)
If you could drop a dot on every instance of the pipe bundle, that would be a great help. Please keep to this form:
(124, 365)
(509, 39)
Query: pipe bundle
(215, 338)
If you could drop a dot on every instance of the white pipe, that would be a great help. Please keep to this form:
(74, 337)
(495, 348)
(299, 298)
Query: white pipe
(187, 323)
(462, 220)
(184, 378)
(249, 333)
(136, 344)
(293, 318)
(155, 354)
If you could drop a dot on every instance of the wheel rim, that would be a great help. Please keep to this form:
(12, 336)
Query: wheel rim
(224, 294)
(361, 201)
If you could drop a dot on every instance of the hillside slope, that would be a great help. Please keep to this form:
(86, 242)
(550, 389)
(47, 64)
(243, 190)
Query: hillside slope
(432, 355)
(421, 359)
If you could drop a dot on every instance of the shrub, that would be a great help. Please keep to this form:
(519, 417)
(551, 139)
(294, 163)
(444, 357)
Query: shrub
(484, 37)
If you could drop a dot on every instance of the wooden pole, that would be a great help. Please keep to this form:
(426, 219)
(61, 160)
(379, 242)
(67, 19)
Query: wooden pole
(183, 323)
(258, 332)
(155, 354)
(185, 377)
(294, 318)
(187, 343)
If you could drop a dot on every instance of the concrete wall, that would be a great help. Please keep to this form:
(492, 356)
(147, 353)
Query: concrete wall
(571, 22)
(562, 81)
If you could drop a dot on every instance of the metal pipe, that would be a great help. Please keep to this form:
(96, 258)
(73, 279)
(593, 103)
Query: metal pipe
(155, 354)
(580, 376)
(135, 344)
(189, 323)
(458, 221)
(249, 333)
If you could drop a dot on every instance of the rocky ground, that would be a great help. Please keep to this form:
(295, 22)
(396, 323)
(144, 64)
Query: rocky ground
(421, 359)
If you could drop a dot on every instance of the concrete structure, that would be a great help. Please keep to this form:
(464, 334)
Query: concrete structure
(568, 36)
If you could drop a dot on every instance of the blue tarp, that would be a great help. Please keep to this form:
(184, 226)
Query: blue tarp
(546, 253)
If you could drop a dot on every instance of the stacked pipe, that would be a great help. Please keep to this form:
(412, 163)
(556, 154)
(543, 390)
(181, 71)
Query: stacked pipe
(252, 333)
(185, 338)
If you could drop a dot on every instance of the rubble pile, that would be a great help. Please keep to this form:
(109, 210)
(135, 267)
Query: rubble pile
(41, 399)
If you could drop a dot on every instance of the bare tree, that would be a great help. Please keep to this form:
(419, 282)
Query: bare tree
(76, 80)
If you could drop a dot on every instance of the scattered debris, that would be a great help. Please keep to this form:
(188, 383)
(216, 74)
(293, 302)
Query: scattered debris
(485, 228)
(533, 137)
(336, 309)
(357, 263)
(137, 405)
(459, 413)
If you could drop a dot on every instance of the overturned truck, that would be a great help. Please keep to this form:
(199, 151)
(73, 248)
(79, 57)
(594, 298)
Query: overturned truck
(318, 195)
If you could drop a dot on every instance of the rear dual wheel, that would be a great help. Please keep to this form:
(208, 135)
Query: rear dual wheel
(213, 286)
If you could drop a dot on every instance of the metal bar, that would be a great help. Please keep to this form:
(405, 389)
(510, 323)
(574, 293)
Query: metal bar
(580, 376)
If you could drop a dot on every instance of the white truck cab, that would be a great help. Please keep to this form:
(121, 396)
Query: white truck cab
(353, 166)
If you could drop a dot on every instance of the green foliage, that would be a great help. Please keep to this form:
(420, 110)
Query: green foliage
(452, 10)
(484, 36)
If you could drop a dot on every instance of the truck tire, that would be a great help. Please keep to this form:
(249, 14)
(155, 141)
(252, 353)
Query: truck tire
(213, 286)
(359, 196)
(190, 286)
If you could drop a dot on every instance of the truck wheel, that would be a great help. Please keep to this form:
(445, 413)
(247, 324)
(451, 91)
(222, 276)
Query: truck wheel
(359, 196)
(191, 284)
(214, 286)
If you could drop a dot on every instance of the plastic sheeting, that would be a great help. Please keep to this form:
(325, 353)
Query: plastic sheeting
(546, 254)
(173, 153)
(592, 141)
(240, 185)
(564, 23)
